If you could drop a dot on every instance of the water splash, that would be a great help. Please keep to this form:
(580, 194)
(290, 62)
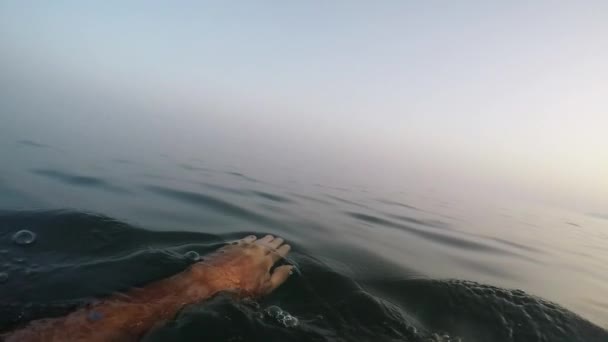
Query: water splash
(24, 237)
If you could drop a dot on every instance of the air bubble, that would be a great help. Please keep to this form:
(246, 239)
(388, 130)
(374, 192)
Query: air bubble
(282, 317)
(24, 237)
(290, 321)
(192, 255)
(3, 277)
(274, 311)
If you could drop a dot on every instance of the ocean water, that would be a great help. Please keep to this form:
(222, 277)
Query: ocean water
(372, 265)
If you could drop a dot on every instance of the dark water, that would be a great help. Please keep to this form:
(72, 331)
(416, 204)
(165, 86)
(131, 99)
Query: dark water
(372, 266)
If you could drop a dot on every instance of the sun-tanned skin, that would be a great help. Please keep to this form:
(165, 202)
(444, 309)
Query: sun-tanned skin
(242, 267)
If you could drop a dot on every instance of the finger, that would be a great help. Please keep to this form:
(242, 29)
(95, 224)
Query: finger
(265, 240)
(274, 244)
(248, 239)
(280, 253)
(279, 276)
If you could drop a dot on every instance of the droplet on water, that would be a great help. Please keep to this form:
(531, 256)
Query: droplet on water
(273, 311)
(192, 255)
(283, 317)
(290, 321)
(24, 237)
(3, 277)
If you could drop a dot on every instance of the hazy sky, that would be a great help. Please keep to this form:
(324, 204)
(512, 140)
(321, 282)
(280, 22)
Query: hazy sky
(512, 96)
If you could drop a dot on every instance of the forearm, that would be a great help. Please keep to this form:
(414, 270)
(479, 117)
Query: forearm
(125, 317)
(243, 266)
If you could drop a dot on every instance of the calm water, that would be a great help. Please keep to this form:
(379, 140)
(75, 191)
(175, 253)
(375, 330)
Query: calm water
(375, 265)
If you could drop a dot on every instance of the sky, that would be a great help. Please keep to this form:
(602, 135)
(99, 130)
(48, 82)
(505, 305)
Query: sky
(507, 97)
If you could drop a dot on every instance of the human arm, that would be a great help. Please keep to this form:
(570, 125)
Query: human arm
(242, 267)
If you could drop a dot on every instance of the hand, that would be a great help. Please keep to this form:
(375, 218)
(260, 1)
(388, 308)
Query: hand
(245, 266)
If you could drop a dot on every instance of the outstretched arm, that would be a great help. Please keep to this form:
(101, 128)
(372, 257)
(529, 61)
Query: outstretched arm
(242, 267)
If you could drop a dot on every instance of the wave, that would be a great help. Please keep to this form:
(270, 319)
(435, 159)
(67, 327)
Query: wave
(78, 256)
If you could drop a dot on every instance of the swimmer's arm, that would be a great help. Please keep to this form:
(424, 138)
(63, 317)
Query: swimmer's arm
(243, 267)
(125, 317)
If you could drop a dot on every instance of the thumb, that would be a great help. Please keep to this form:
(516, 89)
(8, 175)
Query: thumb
(279, 276)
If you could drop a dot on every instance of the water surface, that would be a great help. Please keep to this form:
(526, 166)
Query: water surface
(372, 265)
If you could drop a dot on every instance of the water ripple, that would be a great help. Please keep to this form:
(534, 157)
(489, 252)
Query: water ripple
(272, 197)
(429, 223)
(452, 241)
(31, 143)
(79, 180)
(212, 203)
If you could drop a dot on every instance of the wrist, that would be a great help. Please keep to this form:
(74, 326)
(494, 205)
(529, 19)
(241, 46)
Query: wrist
(209, 278)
